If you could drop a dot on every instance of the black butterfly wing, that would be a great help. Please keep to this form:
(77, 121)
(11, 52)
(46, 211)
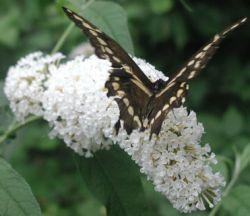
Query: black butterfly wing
(132, 98)
(106, 48)
(174, 92)
(199, 60)
(172, 98)
(130, 86)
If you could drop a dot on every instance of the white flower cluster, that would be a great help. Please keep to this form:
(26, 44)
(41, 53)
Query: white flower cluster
(175, 162)
(24, 83)
(77, 107)
(72, 98)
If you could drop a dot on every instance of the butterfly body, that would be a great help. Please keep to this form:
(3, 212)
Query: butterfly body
(144, 104)
(158, 85)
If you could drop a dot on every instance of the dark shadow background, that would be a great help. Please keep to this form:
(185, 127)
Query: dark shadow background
(166, 34)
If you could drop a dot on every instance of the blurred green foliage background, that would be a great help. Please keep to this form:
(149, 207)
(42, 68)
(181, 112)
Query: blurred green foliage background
(165, 33)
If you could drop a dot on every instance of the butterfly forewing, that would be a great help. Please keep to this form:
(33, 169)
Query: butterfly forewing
(199, 60)
(106, 48)
(127, 83)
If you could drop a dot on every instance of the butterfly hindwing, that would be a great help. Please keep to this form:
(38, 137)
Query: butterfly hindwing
(173, 98)
(130, 97)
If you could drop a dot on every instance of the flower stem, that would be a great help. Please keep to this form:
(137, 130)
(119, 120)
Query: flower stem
(15, 126)
(62, 39)
(234, 178)
(67, 31)
(186, 6)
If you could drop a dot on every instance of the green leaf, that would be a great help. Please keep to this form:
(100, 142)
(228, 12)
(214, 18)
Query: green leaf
(75, 3)
(5, 117)
(179, 31)
(245, 157)
(92, 208)
(3, 99)
(232, 122)
(114, 179)
(153, 26)
(9, 28)
(16, 197)
(110, 17)
(238, 201)
(198, 90)
(159, 6)
(39, 132)
(221, 166)
(214, 131)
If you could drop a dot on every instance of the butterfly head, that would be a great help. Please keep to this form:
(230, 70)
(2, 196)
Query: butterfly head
(159, 84)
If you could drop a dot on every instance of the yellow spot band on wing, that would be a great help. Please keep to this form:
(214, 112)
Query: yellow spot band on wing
(142, 87)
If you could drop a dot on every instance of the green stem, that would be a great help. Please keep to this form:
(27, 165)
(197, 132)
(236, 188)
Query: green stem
(62, 39)
(66, 33)
(234, 178)
(15, 126)
(186, 6)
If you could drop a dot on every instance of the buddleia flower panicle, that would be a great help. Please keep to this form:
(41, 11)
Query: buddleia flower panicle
(178, 166)
(72, 98)
(77, 107)
(24, 83)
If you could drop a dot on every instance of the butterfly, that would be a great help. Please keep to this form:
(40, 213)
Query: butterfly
(144, 104)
